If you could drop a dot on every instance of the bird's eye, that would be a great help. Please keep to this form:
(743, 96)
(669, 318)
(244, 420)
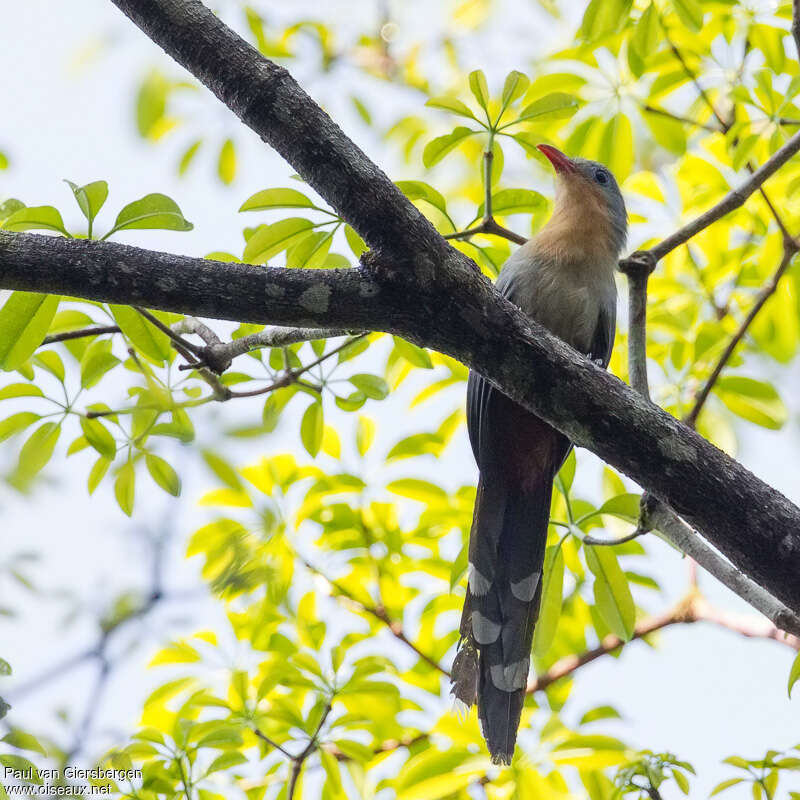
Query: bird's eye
(601, 176)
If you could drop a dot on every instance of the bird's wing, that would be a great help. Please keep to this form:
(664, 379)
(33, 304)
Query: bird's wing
(603, 337)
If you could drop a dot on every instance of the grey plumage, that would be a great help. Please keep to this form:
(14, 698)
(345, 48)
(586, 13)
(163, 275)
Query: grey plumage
(564, 279)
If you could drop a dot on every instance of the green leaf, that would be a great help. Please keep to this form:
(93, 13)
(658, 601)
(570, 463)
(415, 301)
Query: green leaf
(97, 473)
(163, 474)
(142, 334)
(276, 198)
(451, 104)
(9, 207)
(690, 13)
(50, 361)
(616, 146)
(603, 17)
(646, 33)
(226, 163)
(624, 506)
(721, 787)
(554, 106)
(312, 428)
(23, 741)
(24, 321)
(419, 190)
(5, 667)
(516, 84)
(151, 211)
(794, 674)
(515, 201)
(415, 356)
(611, 591)
(20, 390)
(479, 88)
(681, 780)
(98, 437)
(96, 362)
(36, 452)
(269, 240)
(372, 386)
(310, 251)
(225, 761)
(188, 156)
(753, 400)
(439, 147)
(550, 610)
(36, 218)
(17, 422)
(365, 433)
(355, 242)
(90, 198)
(125, 487)
(416, 489)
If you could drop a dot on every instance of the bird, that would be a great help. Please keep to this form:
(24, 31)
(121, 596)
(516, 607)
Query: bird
(563, 278)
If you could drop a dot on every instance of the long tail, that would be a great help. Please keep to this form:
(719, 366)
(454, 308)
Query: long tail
(507, 546)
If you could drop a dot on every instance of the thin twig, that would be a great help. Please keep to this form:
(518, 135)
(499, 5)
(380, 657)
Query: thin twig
(379, 613)
(693, 608)
(766, 292)
(167, 331)
(591, 540)
(261, 735)
(488, 224)
(733, 200)
(297, 761)
(97, 330)
(678, 118)
(695, 80)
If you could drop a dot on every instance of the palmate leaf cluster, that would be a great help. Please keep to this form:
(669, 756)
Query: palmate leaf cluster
(340, 561)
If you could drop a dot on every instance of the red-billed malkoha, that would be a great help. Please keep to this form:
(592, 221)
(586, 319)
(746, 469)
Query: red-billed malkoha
(564, 279)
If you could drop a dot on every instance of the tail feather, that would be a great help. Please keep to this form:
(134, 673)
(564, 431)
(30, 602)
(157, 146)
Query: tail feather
(507, 545)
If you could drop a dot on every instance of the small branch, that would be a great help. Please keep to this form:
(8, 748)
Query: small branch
(389, 746)
(638, 268)
(682, 536)
(193, 325)
(694, 608)
(297, 761)
(677, 118)
(640, 531)
(379, 613)
(271, 336)
(733, 200)
(766, 292)
(488, 226)
(97, 330)
(167, 331)
(566, 666)
(261, 735)
(695, 80)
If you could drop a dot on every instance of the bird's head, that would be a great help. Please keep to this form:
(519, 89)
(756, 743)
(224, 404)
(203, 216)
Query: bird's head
(588, 201)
